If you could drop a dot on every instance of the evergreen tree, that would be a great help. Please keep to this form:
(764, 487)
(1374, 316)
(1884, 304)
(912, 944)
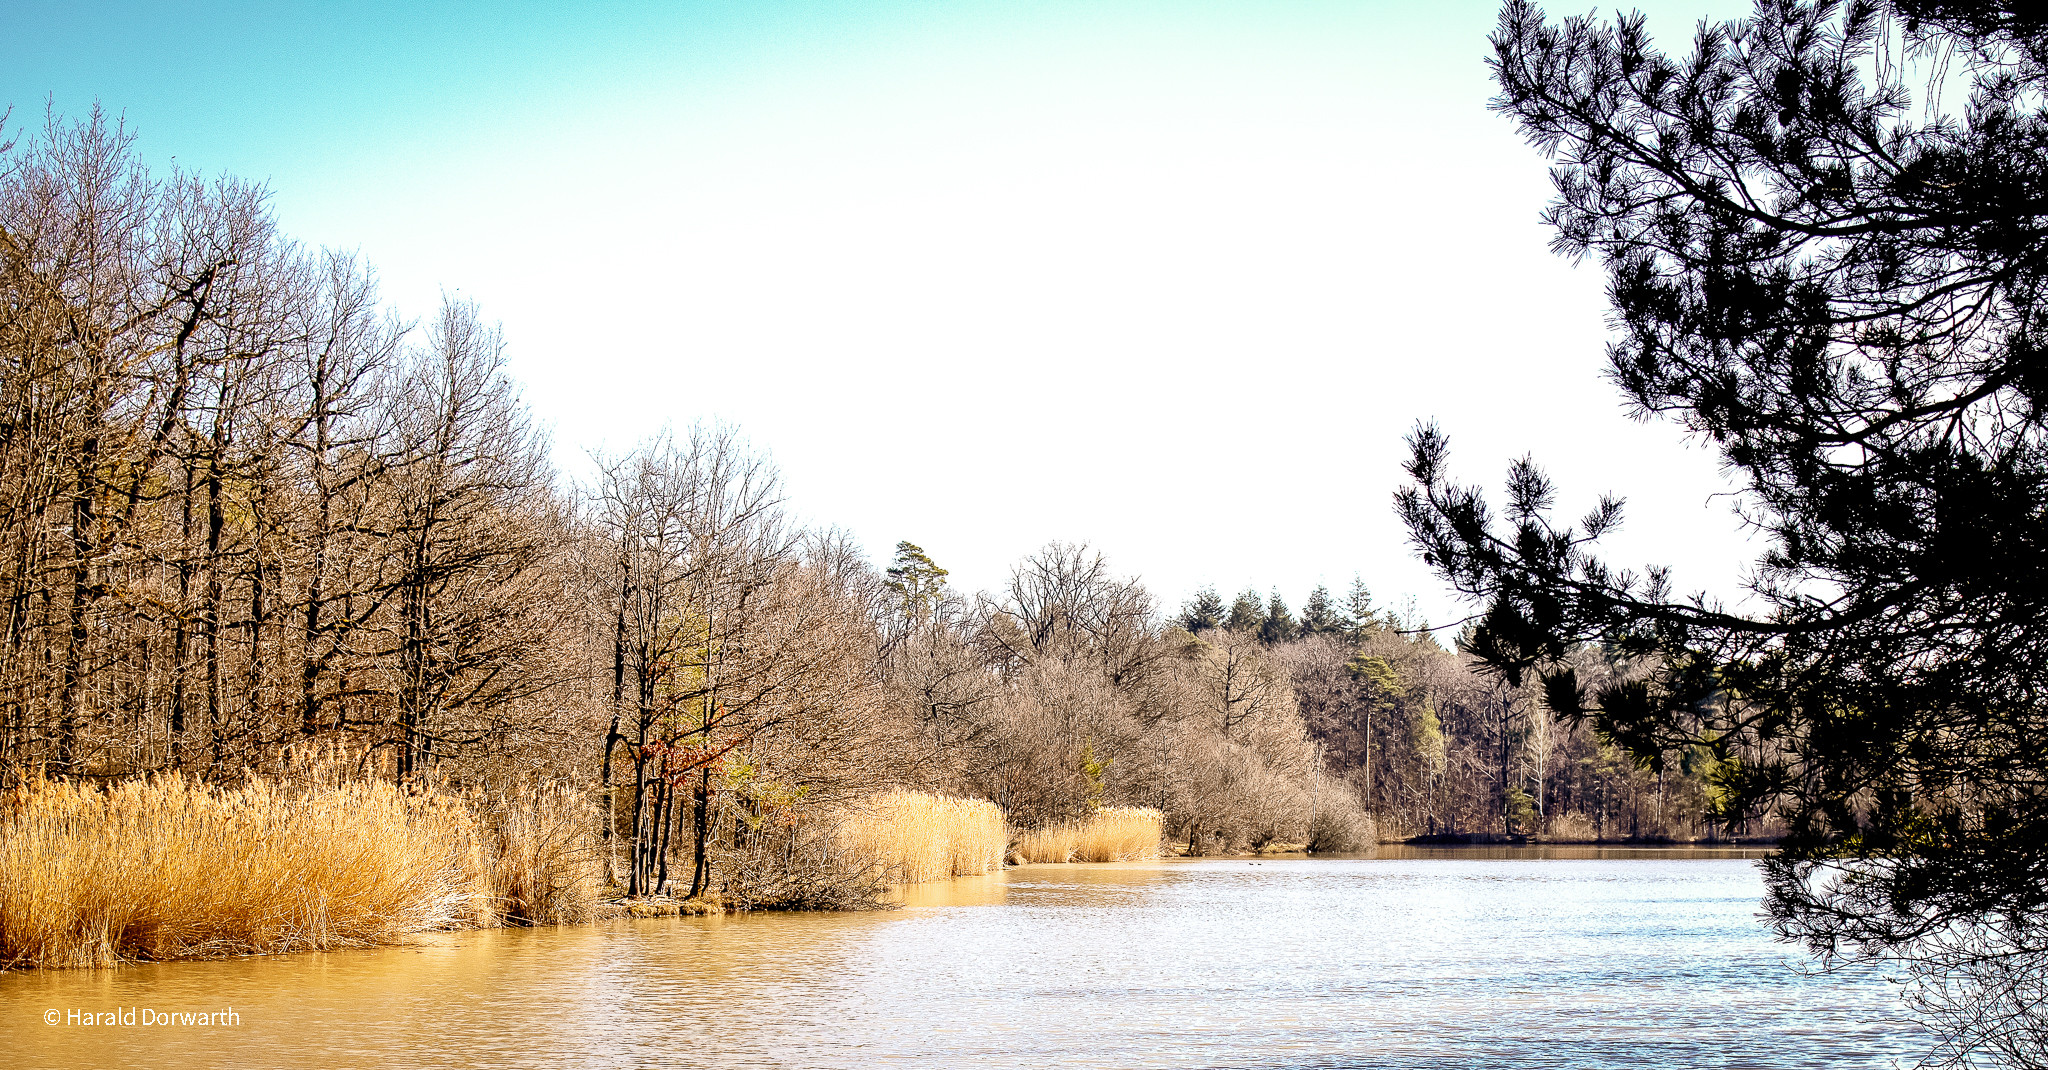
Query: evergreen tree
(1205, 610)
(1247, 612)
(917, 581)
(1279, 625)
(1360, 616)
(1842, 290)
(1319, 614)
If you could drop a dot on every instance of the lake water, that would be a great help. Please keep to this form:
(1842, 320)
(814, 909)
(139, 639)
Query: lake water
(1446, 958)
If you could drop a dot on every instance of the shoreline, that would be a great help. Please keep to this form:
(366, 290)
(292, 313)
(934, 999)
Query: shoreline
(1497, 839)
(604, 911)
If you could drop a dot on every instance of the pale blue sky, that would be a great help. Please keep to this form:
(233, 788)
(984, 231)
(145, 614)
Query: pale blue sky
(1173, 278)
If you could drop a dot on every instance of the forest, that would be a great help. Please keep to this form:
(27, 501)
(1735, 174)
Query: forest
(254, 523)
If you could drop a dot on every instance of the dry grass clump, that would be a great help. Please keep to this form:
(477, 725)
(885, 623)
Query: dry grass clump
(538, 858)
(1113, 834)
(914, 837)
(170, 869)
(1571, 828)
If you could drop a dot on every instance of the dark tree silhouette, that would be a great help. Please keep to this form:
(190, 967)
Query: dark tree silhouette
(1247, 612)
(1319, 614)
(1205, 610)
(1839, 285)
(1279, 625)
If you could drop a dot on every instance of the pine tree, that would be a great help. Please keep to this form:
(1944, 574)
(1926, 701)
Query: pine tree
(1844, 296)
(917, 580)
(1319, 614)
(1279, 625)
(1204, 611)
(1360, 615)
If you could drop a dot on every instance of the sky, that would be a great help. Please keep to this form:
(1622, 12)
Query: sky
(1173, 279)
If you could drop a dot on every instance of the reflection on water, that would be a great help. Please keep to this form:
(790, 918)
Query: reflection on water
(1578, 851)
(1428, 958)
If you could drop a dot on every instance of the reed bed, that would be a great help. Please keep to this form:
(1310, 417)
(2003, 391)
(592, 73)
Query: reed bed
(1113, 834)
(171, 869)
(914, 837)
(539, 859)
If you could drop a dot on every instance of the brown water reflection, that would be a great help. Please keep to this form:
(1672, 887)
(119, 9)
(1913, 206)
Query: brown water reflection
(1430, 957)
(1573, 851)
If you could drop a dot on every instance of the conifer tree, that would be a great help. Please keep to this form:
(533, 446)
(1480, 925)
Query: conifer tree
(1360, 615)
(916, 579)
(1279, 625)
(1319, 614)
(1247, 612)
(1204, 611)
(1839, 285)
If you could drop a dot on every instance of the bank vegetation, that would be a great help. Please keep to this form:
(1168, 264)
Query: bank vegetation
(306, 642)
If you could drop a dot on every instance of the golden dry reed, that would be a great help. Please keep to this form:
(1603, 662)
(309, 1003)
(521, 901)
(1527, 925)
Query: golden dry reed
(170, 869)
(539, 857)
(915, 837)
(1112, 834)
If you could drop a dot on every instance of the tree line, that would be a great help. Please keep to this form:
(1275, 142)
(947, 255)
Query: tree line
(252, 514)
(245, 506)
(1436, 746)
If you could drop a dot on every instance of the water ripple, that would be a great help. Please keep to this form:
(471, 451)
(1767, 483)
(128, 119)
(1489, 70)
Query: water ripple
(1397, 963)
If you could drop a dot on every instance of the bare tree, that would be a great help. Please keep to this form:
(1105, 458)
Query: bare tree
(465, 547)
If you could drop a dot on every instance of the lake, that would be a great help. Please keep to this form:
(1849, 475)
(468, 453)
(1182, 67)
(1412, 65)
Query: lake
(1565, 957)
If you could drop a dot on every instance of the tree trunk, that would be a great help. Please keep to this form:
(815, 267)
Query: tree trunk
(700, 875)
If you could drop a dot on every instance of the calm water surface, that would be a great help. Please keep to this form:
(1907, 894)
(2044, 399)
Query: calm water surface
(1426, 959)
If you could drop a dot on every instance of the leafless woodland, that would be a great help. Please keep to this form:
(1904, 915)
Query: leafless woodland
(248, 512)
